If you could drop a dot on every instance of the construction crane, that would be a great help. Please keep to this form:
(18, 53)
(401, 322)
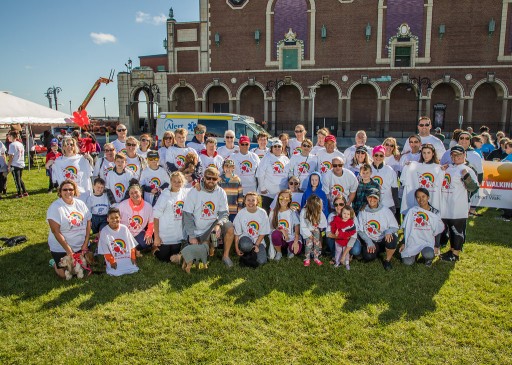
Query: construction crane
(95, 87)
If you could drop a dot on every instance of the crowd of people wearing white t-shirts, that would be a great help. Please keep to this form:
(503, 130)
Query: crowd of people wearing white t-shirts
(424, 191)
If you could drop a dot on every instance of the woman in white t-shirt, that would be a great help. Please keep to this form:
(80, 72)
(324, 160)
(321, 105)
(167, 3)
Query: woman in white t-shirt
(16, 162)
(70, 224)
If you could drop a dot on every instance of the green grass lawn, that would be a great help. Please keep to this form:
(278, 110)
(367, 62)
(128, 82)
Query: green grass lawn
(278, 314)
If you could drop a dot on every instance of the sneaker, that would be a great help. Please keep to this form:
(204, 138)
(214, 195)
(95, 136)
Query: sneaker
(336, 265)
(18, 196)
(347, 266)
(449, 256)
(307, 262)
(428, 263)
(318, 262)
(50, 191)
(278, 257)
(227, 261)
(387, 265)
(291, 255)
(25, 194)
(51, 262)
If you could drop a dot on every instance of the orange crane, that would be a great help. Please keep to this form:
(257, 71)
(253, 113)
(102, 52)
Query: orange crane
(95, 87)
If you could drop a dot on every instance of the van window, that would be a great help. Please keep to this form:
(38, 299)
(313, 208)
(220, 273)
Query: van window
(214, 128)
(244, 130)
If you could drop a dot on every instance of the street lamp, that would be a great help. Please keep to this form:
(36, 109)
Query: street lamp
(70, 112)
(53, 91)
(418, 83)
(151, 90)
(128, 65)
(48, 94)
(312, 95)
(273, 86)
(105, 107)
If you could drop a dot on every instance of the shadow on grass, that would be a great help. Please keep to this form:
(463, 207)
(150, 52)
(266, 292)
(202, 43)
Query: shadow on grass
(405, 291)
(489, 229)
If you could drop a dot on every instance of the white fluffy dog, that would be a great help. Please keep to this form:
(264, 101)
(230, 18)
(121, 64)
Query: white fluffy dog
(73, 266)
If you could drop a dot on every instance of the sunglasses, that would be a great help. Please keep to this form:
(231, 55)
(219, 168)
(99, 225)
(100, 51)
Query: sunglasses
(307, 146)
(379, 155)
(229, 137)
(337, 165)
(423, 125)
(339, 204)
(167, 137)
(277, 146)
(244, 144)
(284, 198)
(466, 138)
(389, 145)
(199, 132)
(299, 131)
(360, 152)
(153, 159)
(110, 150)
(293, 183)
(144, 140)
(122, 130)
(210, 178)
(68, 189)
(69, 144)
(131, 144)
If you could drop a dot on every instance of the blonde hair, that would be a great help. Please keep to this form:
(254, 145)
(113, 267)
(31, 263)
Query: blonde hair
(395, 152)
(132, 139)
(313, 209)
(253, 193)
(179, 175)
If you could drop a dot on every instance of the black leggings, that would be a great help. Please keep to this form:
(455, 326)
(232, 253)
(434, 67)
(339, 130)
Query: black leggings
(18, 180)
(3, 183)
(166, 251)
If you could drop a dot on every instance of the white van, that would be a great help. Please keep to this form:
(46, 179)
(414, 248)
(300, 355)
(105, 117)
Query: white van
(216, 124)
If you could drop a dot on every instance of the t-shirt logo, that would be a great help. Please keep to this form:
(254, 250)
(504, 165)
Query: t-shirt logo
(208, 210)
(178, 209)
(106, 170)
(447, 182)
(180, 161)
(426, 180)
(136, 222)
(133, 167)
(337, 190)
(119, 246)
(123, 151)
(326, 166)
(304, 168)
(420, 219)
(295, 206)
(246, 167)
(373, 228)
(154, 183)
(119, 189)
(253, 228)
(378, 180)
(283, 224)
(297, 151)
(278, 167)
(70, 172)
(75, 219)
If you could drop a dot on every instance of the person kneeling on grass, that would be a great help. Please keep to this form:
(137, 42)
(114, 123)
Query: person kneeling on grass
(377, 229)
(118, 246)
(421, 225)
(251, 227)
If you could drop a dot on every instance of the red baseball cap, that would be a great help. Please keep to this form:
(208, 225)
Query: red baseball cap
(244, 139)
(330, 138)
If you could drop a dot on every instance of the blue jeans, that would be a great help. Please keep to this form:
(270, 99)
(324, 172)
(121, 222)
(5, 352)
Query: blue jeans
(354, 251)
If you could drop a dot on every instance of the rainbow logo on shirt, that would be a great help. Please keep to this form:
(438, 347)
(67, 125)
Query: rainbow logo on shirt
(253, 228)
(136, 222)
(297, 151)
(70, 172)
(123, 151)
(75, 218)
(420, 219)
(295, 206)
(426, 180)
(378, 180)
(304, 167)
(283, 224)
(132, 167)
(178, 209)
(326, 166)
(154, 183)
(337, 190)
(180, 161)
(447, 182)
(119, 189)
(119, 246)
(208, 209)
(246, 167)
(373, 227)
(278, 167)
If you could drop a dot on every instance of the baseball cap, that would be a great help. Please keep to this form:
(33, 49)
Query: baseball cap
(228, 162)
(374, 192)
(244, 139)
(330, 138)
(457, 149)
(54, 141)
(153, 154)
(379, 149)
(362, 148)
(277, 143)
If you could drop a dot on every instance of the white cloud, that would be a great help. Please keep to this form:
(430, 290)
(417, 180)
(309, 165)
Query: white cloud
(141, 17)
(28, 67)
(102, 38)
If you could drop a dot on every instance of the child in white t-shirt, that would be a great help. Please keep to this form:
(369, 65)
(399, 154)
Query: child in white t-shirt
(118, 246)
(98, 204)
(118, 180)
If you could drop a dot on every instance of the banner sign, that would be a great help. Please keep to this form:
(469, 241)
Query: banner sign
(496, 188)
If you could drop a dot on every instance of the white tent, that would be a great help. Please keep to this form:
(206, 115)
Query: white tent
(14, 110)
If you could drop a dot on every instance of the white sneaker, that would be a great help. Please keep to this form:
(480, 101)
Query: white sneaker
(291, 255)
(278, 257)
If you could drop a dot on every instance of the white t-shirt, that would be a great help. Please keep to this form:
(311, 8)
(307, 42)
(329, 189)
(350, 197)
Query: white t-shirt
(119, 146)
(205, 208)
(387, 179)
(306, 227)
(273, 174)
(392, 162)
(421, 175)
(351, 151)
(288, 220)
(301, 167)
(198, 147)
(455, 204)
(335, 186)
(471, 156)
(433, 140)
(227, 152)
(420, 230)
(325, 160)
(162, 154)
(246, 167)
(375, 224)
(97, 204)
(260, 153)
(119, 244)
(134, 164)
(73, 219)
(75, 168)
(251, 224)
(409, 157)
(154, 179)
(17, 151)
(209, 161)
(119, 183)
(294, 144)
(316, 149)
(3, 163)
(102, 167)
(135, 220)
(176, 155)
(169, 211)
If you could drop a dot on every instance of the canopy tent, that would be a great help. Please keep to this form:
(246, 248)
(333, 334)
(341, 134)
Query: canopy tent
(14, 110)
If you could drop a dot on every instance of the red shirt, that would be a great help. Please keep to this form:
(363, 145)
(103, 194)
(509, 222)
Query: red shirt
(52, 156)
(349, 227)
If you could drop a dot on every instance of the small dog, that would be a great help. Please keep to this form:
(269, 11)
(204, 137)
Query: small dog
(191, 253)
(73, 265)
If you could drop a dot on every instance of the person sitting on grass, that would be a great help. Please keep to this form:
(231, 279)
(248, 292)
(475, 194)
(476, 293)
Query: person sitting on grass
(421, 225)
(346, 235)
(118, 246)
(284, 223)
(70, 225)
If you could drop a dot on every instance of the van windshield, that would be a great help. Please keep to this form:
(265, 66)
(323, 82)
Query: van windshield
(257, 127)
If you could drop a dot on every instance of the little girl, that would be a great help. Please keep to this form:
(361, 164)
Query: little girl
(345, 230)
(312, 220)
(284, 224)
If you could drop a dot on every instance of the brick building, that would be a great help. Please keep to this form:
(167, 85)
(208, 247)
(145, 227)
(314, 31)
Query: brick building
(354, 64)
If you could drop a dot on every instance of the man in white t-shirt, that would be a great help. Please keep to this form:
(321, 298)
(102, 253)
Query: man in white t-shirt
(424, 127)
(206, 215)
(16, 162)
(120, 142)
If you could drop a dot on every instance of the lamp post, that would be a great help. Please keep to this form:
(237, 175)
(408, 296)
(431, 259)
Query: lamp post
(151, 90)
(105, 107)
(128, 65)
(48, 94)
(70, 112)
(418, 83)
(312, 95)
(273, 86)
(56, 90)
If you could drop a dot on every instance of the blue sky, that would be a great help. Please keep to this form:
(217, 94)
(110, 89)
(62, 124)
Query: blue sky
(71, 43)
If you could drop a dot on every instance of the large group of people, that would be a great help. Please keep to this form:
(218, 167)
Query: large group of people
(292, 199)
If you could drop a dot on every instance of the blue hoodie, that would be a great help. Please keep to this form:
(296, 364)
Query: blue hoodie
(318, 192)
